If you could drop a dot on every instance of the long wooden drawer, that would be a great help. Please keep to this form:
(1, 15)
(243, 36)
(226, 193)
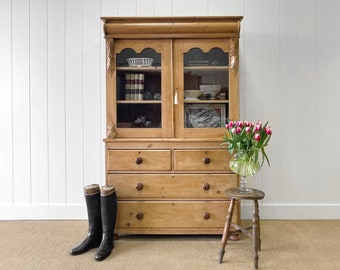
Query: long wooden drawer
(139, 160)
(201, 160)
(171, 214)
(163, 186)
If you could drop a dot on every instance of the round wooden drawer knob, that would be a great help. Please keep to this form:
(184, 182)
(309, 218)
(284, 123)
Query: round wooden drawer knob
(139, 160)
(206, 215)
(206, 186)
(139, 215)
(206, 160)
(139, 186)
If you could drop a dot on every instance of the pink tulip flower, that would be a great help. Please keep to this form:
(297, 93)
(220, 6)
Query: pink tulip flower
(268, 131)
(257, 137)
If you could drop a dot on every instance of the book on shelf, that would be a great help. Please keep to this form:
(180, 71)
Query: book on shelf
(140, 87)
(128, 86)
(134, 78)
(134, 86)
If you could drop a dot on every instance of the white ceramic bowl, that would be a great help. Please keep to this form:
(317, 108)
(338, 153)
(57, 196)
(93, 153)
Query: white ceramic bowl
(192, 94)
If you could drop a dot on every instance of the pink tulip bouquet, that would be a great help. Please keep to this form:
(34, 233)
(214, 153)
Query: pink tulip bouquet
(248, 139)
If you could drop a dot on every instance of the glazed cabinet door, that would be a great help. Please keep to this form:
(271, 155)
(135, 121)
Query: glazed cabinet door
(206, 86)
(138, 99)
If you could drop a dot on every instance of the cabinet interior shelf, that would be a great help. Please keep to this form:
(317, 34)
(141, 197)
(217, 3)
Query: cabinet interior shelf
(141, 69)
(206, 68)
(200, 101)
(139, 101)
(186, 68)
(159, 101)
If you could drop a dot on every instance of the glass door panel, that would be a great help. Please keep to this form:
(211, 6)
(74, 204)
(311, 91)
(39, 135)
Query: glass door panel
(141, 89)
(205, 80)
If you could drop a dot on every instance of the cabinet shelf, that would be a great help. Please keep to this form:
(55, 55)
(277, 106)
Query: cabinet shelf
(140, 69)
(206, 69)
(214, 68)
(139, 101)
(200, 101)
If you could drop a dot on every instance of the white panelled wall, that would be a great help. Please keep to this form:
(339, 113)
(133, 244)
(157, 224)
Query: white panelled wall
(52, 100)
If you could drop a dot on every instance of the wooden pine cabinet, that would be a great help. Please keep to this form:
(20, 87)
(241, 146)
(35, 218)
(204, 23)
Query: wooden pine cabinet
(163, 152)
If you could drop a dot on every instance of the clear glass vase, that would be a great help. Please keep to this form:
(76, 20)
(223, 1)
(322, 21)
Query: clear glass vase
(243, 185)
(244, 166)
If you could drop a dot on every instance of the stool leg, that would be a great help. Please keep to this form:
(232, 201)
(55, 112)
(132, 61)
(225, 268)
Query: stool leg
(256, 233)
(259, 230)
(226, 229)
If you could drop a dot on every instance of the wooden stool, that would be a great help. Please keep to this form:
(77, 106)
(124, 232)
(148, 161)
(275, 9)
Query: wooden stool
(237, 194)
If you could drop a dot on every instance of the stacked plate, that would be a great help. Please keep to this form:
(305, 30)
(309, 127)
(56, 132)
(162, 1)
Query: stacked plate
(210, 90)
(192, 94)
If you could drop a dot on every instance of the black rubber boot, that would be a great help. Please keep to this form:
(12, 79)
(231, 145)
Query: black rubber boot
(108, 201)
(94, 237)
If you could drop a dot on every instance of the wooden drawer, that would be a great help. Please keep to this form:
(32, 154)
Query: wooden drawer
(163, 186)
(184, 215)
(139, 160)
(201, 160)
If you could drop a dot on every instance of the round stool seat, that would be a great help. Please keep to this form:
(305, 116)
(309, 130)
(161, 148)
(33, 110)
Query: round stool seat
(250, 194)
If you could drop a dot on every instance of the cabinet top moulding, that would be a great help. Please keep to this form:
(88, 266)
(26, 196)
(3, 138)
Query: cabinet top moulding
(172, 27)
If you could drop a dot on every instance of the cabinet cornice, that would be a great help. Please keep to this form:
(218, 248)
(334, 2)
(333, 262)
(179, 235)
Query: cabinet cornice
(172, 27)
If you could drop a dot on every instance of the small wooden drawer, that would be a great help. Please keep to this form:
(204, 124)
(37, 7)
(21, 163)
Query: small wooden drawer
(139, 160)
(201, 160)
(172, 214)
(165, 186)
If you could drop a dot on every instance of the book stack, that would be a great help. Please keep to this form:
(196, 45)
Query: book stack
(134, 86)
